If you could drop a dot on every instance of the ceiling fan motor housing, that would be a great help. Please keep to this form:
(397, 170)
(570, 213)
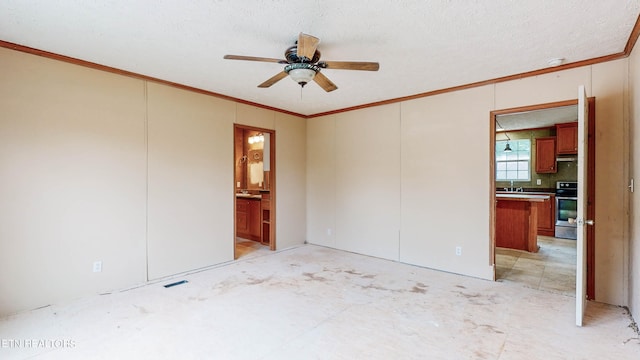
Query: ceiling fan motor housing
(291, 54)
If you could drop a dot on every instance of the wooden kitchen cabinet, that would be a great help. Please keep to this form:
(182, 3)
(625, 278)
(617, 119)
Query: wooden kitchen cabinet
(547, 216)
(248, 221)
(567, 138)
(516, 221)
(546, 155)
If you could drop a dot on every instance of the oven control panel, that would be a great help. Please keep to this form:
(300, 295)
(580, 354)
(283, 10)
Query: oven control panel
(567, 188)
(567, 185)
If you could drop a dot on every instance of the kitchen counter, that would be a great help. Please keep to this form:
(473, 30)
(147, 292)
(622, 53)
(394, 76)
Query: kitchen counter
(517, 220)
(522, 196)
(535, 190)
(531, 192)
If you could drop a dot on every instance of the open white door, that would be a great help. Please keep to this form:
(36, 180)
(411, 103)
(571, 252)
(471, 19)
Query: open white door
(581, 221)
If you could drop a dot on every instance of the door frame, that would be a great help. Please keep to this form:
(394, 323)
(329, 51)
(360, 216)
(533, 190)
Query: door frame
(272, 183)
(591, 171)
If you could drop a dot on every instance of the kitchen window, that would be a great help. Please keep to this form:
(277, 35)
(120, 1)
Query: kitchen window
(516, 164)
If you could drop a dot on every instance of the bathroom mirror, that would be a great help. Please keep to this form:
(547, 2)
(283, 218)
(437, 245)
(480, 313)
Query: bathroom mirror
(255, 164)
(250, 159)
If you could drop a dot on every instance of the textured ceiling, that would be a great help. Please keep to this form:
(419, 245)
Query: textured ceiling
(537, 118)
(421, 45)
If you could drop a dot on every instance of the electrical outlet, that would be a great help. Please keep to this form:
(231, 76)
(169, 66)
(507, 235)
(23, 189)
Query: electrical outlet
(538, 181)
(458, 250)
(97, 266)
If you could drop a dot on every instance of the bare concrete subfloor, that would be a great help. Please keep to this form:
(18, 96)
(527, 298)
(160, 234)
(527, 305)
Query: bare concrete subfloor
(312, 302)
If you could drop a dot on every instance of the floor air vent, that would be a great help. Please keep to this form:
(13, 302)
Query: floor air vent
(176, 283)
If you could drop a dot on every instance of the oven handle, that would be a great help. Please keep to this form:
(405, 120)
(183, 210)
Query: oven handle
(573, 221)
(567, 198)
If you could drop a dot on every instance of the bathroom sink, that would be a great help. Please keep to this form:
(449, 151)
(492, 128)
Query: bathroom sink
(251, 196)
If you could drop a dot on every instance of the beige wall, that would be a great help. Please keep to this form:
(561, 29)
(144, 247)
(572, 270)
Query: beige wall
(443, 144)
(73, 169)
(355, 201)
(321, 181)
(101, 167)
(72, 181)
(612, 196)
(367, 184)
(445, 182)
(291, 190)
(634, 246)
(190, 203)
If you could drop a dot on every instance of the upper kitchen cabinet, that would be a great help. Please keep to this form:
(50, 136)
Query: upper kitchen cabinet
(546, 155)
(567, 138)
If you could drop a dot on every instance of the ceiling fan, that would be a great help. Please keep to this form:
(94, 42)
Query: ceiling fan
(303, 64)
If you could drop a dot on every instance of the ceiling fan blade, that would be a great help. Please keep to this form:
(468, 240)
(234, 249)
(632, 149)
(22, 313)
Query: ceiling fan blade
(350, 65)
(307, 45)
(273, 80)
(324, 82)
(255, 58)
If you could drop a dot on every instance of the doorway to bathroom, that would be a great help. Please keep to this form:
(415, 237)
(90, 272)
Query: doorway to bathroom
(254, 191)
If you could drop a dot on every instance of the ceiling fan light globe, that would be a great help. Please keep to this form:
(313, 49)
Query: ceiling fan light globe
(302, 76)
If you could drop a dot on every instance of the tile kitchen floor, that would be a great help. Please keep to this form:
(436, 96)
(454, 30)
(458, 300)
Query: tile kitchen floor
(551, 269)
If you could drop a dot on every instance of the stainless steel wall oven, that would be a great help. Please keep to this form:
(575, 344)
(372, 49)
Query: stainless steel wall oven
(566, 208)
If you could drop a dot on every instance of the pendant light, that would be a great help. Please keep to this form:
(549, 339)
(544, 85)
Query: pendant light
(507, 148)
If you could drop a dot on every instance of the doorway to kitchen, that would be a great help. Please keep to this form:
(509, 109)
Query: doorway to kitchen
(254, 191)
(534, 150)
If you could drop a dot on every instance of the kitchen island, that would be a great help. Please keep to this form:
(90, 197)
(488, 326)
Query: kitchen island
(517, 219)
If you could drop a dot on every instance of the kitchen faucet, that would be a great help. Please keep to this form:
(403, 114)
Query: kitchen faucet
(511, 188)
